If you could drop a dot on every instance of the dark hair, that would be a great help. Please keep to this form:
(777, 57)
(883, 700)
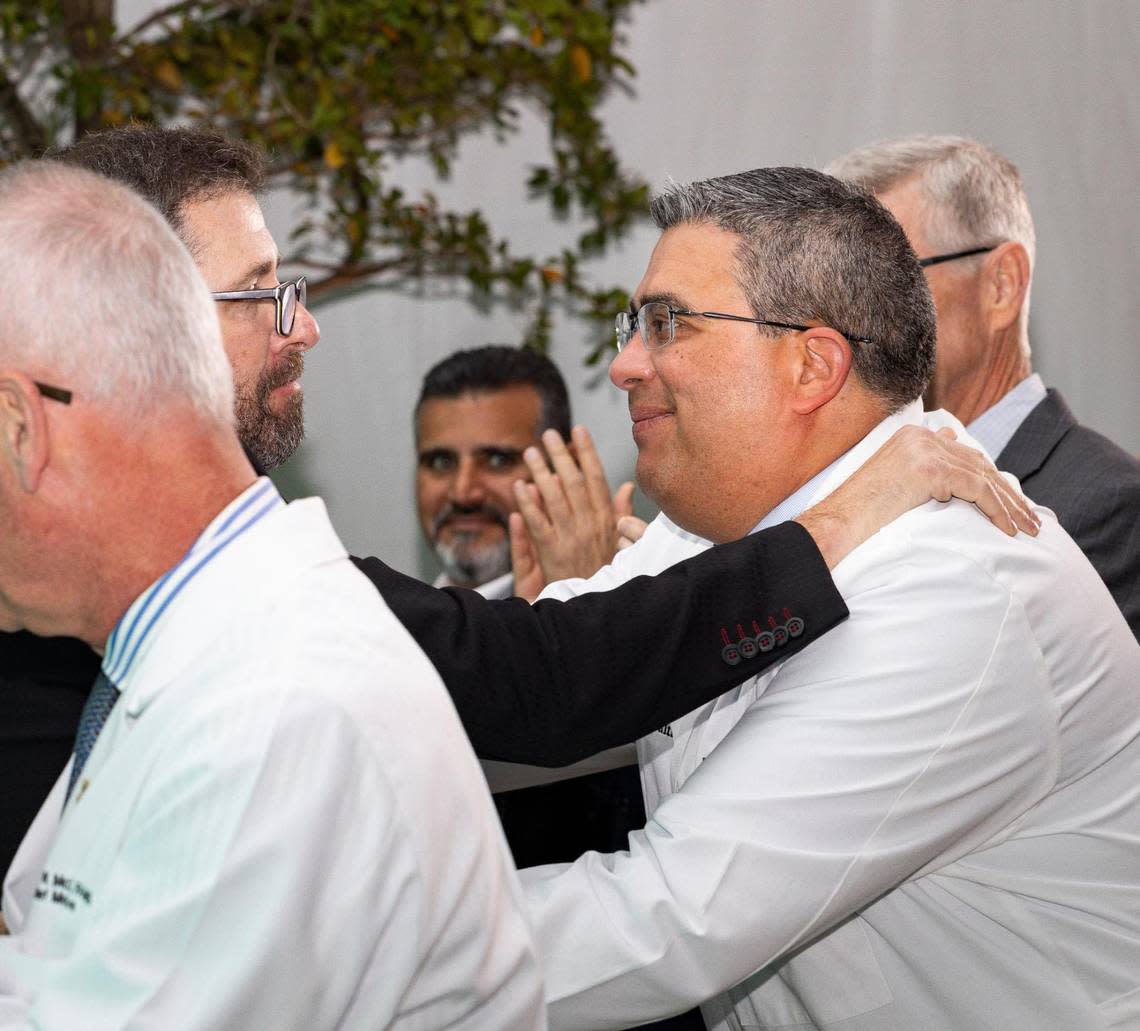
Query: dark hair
(496, 368)
(813, 248)
(169, 166)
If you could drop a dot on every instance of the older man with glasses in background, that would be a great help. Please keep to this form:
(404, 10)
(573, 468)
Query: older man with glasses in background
(963, 207)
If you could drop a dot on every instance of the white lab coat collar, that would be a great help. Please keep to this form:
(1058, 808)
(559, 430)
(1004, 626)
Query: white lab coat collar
(205, 607)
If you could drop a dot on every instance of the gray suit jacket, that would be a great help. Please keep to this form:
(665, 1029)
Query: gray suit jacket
(1094, 488)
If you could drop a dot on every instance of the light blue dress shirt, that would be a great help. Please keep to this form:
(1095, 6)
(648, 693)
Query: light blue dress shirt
(994, 428)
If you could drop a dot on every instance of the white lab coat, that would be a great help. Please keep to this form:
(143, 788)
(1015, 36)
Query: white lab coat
(929, 819)
(284, 827)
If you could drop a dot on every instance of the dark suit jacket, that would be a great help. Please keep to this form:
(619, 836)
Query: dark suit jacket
(44, 682)
(1094, 488)
(551, 683)
(546, 684)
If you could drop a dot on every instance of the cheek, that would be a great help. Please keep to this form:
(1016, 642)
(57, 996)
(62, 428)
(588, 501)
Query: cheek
(248, 354)
(500, 487)
(431, 493)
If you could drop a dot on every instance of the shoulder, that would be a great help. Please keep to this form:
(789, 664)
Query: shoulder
(1098, 454)
(950, 546)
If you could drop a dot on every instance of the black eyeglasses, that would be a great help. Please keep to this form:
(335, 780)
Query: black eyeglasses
(285, 295)
(657, 323)
(937, 259)
(55, 393)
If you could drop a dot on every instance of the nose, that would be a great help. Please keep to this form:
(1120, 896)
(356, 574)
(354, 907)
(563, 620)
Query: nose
(466, 487)
(304, 335)
(631, 365)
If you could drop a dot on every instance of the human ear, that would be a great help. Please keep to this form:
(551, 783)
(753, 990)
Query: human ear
(1006, 282)
(824, 357)
(23, 429)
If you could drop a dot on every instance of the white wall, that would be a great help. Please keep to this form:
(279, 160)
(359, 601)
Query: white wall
(725, 85)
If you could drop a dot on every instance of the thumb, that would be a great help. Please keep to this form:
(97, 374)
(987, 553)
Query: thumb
(623, 500)
(522, 554)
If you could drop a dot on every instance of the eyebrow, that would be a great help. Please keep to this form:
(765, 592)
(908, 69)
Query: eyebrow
(671, 299)
(255, 272)
(480, 450)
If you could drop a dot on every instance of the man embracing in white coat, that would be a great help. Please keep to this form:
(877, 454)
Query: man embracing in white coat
(929, 820)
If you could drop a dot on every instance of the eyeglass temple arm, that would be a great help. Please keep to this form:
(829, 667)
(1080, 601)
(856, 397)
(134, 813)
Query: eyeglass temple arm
(939, 258)
(55, 393)
(765, 322)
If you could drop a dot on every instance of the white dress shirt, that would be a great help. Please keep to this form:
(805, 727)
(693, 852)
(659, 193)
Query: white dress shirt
(929, 820)
(493, 590)
(282, 825)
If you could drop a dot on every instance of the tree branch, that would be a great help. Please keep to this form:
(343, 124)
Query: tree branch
(29, 131)
(182, 7)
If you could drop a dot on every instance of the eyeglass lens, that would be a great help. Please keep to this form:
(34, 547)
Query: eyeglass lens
(292, 293)
(654, 321)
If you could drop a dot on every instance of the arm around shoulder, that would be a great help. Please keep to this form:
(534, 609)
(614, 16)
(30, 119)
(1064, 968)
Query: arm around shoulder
(553, 683)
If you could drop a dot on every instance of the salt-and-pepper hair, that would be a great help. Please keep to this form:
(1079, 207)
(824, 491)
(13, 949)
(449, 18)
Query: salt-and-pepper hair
(102, 297)
(814, 249)
(971, 195)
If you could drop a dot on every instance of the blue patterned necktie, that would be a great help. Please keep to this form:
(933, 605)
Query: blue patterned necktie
(100, 702)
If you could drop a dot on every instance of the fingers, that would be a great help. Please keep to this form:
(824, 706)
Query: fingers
(522, 557)
(528, 576)
(968, 474)
(549, 486)
(592, 470)
(987, 498)
(575, 494)
(623, 500)
(629, 529)
(530, 509)
(1019, 507)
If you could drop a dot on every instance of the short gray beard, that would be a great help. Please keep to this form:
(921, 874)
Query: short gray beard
(465, 565)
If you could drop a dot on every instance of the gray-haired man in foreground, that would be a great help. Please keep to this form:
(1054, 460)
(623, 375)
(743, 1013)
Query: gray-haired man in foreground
(281, 823)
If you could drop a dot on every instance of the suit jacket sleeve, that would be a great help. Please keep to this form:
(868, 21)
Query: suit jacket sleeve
(552, 683)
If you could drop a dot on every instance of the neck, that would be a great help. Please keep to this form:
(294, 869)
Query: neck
(990, 381)
(143, 508)
(809, 445)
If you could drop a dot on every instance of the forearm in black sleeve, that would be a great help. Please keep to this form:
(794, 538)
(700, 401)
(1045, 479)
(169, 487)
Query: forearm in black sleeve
(551, 683)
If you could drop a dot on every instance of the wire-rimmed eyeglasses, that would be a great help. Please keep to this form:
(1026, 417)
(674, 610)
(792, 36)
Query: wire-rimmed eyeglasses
(657, 323)
(937, 259)
(285, 295)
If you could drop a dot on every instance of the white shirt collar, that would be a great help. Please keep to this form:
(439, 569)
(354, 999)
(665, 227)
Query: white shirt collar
(828, 478)
(139, 625)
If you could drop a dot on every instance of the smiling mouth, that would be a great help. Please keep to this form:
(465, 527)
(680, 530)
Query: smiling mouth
(469, 520)
(646, 422)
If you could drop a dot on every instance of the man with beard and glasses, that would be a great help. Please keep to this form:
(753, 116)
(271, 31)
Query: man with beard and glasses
(533, 684)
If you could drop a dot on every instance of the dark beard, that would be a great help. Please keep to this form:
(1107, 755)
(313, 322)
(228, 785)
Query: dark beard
(270, 439)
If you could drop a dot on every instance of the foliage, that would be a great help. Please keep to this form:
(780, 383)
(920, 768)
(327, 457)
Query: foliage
(337, 91)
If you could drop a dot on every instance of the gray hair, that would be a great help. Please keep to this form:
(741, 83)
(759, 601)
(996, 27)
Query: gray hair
(103, 297)
(814, 249)
(971, 195)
